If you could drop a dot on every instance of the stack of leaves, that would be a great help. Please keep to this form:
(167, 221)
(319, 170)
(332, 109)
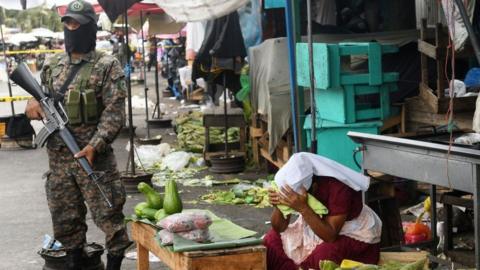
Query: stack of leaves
(191, 133)
(160, 177)
(347, 264)
(252, 195)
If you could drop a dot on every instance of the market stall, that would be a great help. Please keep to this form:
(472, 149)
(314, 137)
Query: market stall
(455, 167)
(187, 239)
(420, 99)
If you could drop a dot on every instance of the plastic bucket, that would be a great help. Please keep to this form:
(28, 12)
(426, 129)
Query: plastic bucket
(55, 259)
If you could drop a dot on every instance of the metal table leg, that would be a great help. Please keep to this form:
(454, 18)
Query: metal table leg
(476, 209)
(433, 218)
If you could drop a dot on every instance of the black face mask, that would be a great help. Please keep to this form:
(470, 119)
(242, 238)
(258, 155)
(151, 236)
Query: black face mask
(81, 40)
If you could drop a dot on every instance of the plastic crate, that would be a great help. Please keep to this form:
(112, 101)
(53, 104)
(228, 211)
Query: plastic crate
(275, 4)
(346, 96)
(329, 72)
(333, 142)
(354, 103)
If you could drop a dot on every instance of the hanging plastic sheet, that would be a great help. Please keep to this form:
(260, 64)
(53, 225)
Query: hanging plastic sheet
(155, 24)
(270, 86)
(199, 10)
(251, 23)
(19, 5)
(195, 36)
(455, 22)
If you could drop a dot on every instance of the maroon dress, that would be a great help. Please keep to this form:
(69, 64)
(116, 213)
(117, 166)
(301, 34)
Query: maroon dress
(339, 200)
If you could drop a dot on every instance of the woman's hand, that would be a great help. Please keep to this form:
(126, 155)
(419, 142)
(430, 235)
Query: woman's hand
(296, 201)
(273, 197)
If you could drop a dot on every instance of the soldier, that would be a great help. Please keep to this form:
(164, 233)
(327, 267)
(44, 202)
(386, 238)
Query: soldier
(91, 86)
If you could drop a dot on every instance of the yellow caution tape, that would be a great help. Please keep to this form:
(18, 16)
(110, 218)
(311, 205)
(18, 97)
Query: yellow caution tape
(15, 98)
(172, 46)
(33, 51)
(40, 51)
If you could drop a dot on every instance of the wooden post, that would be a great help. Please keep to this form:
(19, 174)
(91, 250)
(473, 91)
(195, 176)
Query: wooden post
(142, 258)
(423, 57)
(206, 147)
(440, 62)
(255, 150)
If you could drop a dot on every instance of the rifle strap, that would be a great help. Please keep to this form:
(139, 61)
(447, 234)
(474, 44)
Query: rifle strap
(71, 75)
(86, 72)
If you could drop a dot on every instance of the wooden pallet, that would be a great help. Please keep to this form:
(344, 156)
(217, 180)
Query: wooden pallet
(436, 50)
(259, 136)
(419, 114)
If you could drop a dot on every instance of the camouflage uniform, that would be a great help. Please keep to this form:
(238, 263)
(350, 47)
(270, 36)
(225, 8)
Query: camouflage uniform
(67, 185)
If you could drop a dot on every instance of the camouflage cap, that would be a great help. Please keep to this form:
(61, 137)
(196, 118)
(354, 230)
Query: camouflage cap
(81, 11)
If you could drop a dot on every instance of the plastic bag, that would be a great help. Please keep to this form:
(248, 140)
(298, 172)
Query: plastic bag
(459, 89)
(469, 138)
(196, 235)
(476, 116)
(472, 79)
(139, 102)
(241, 189)
(148, 155)
(183, 222)
(200, 236)
(50, 243)
(177, 160)
(209, 106)
(165, 237)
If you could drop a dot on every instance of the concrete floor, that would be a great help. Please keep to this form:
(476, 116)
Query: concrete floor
(24, 216)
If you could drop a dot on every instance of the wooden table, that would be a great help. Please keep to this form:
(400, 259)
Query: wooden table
(246, 258)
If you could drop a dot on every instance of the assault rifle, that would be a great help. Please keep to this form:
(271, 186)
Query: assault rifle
(56, 120)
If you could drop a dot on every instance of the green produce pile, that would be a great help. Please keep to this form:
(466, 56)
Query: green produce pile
(160, 177)
(157, 206)
(257, 196)
(191, 133)
(418, 265)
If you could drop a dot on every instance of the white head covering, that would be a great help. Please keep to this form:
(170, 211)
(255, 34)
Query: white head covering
(300, 168)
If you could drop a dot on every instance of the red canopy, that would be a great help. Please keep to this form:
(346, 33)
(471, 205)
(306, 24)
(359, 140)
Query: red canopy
(147, 8)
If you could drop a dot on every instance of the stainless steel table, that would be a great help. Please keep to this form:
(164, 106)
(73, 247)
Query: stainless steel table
(436, 164)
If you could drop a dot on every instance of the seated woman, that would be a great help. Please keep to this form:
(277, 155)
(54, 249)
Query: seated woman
(350, 230)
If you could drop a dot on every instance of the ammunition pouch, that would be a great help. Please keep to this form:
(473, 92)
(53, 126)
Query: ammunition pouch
(73, 107)
(90, 107)
(81, 104)
(82, 107)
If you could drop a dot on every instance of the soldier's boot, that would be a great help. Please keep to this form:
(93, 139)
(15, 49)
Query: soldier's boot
(114, 262)
(74, 259)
